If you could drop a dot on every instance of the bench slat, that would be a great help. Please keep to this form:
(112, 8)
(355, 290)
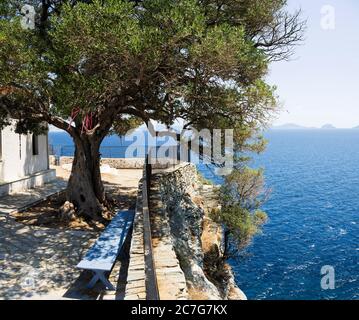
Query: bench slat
(104, 252)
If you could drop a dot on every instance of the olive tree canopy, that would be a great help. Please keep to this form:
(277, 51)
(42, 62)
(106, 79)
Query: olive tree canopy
(101, 63)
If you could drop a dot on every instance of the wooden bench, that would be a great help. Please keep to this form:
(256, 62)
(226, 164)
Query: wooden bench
(103, 254)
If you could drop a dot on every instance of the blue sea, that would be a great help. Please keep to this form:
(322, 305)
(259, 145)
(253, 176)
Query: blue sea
(61, 144)
(313, 216)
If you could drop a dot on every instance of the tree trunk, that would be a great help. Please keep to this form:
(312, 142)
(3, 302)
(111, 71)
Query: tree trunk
(85, 188)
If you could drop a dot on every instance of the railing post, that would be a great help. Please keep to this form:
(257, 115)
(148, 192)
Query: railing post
(189, 150)
(178, 138)
(148, 177)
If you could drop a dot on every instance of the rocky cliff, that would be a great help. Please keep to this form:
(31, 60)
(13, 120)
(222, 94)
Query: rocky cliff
(188, 238)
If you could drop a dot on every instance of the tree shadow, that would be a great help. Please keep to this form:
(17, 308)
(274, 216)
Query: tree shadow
(118, 277)
(38, 261)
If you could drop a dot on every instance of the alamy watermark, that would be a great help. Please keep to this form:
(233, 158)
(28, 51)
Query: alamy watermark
(327, 277)
(168, 147)
(328, 17)
(28, 17)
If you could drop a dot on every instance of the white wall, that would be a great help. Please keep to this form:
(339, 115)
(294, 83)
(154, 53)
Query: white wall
(12, 166)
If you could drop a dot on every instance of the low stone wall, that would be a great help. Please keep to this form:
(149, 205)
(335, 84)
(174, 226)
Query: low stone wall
(174, 189)
(35, 180)
(180, 224)
(116, 163)
(136, 285)
(171, 279)
(53, 160)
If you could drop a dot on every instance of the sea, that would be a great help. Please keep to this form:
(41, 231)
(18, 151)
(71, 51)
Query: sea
(313, 212)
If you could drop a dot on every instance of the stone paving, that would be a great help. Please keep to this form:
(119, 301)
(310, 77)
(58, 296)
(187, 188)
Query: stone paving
(19, 200)
(37, 262)
(40, 263)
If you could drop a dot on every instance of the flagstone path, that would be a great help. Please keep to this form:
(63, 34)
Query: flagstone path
(40, 263)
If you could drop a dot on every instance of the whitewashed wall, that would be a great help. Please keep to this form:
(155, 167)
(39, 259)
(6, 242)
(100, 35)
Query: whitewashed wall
(13, 166)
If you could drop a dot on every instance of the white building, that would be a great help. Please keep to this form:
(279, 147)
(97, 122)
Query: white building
(24, 161)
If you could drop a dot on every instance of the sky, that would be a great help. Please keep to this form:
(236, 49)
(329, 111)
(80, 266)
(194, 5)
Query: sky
(320, 85)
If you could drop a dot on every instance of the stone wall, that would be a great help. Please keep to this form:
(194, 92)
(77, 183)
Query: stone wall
(179, 226)
(136, 286)
(116, 163)
(29, 182)
(183, 236)
(53, 160)
(171, 279)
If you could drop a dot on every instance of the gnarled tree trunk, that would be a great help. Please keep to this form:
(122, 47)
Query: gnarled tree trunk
(85, 188)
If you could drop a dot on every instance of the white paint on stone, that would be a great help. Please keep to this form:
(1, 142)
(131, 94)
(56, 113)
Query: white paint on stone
(20, 168)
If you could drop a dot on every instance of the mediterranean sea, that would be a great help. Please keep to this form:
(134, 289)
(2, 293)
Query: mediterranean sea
(313, 215)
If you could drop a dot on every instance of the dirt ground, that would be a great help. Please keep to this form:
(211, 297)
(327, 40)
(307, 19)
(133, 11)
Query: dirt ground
(121, 190)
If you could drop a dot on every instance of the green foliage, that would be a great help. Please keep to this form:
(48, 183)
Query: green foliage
(260, 217)
(125, 124)
(117, 63)
(91, 45)
(26, 125)
(244, 187)
(152, 59)
(240, 224)
(203, 180)
(242, 194)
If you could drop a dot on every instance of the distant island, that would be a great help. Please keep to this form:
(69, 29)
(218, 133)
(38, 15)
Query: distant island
(328, 126)
(291, 126)
(294, 126)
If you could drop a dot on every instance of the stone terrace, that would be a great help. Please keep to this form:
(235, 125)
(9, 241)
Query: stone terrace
(40, 263)
(34, 261)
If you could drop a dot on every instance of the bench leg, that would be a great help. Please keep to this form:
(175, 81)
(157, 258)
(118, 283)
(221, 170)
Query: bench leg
(100, 275)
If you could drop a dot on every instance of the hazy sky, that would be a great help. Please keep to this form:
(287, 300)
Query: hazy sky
(321, 84)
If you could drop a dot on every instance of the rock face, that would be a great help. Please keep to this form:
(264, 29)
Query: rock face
(180, 204)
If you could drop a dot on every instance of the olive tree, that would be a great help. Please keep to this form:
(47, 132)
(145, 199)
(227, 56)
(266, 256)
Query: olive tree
(87, 67)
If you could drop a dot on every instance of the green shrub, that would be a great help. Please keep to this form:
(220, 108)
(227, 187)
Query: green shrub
(241, 195)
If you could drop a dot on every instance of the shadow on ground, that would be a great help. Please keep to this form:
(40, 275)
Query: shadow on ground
(118, 277)
(38, 261)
